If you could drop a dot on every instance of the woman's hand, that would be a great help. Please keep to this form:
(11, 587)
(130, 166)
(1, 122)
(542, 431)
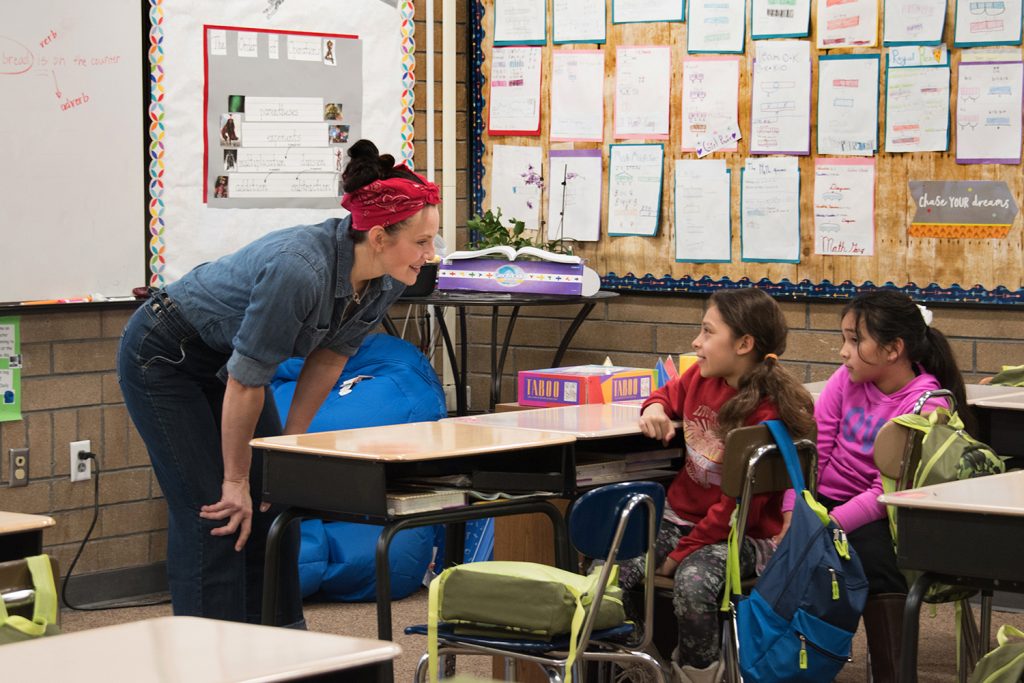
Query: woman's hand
(787, 518)
(235, 505)
(654, 423)
(667, 568)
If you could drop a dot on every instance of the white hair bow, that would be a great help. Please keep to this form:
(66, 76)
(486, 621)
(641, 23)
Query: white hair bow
(926, 314)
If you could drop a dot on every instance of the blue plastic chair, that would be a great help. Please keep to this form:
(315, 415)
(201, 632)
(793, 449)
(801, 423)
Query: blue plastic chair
(612, 523)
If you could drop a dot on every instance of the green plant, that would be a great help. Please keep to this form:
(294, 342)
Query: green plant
(489, 231)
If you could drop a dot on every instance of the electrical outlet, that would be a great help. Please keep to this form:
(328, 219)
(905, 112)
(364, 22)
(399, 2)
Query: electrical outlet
(81, 470)
(19, 467)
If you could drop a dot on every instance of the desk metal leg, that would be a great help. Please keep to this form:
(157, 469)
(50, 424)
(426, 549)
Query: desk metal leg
(272, 564)
(460, 382)
(498, 363)
(911, 627)
(571, 332)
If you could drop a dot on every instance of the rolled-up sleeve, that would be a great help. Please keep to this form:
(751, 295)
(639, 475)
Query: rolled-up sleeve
(285, 293)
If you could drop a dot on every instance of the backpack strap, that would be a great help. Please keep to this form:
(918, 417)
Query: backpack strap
(784, 442)
(45, 610)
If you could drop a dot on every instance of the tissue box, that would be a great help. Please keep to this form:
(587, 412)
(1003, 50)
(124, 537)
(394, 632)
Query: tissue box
(500, 275)
(583, 384)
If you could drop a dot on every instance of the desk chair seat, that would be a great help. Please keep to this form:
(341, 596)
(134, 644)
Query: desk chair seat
(612, 523)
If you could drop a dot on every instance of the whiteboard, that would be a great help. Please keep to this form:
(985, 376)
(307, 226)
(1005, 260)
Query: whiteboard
(72, 177)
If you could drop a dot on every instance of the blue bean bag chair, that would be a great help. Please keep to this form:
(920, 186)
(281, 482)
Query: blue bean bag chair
(387, 382)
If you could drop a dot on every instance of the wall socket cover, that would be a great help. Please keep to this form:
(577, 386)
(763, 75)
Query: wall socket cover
(18, 467)
(81, 470)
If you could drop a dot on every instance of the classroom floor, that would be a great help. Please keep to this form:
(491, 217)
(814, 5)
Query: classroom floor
(937, 655)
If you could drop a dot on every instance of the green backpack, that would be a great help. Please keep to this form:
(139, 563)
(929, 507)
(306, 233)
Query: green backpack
(518, 600)
(948, 453)
(1005, 664)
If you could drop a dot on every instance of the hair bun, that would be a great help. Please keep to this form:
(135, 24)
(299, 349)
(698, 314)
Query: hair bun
(386, 162)
(363, 167)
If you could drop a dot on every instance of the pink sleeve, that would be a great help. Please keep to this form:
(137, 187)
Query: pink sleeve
(788, 500)
(862, 509)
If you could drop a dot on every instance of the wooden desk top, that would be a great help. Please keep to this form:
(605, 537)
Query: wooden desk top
(416, 441)
(594, 421)
(1008, 401)
(189, 650)
(16, 522)
(999, 494)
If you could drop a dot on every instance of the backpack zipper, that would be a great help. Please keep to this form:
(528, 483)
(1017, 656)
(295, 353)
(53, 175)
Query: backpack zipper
(835, 584)
(804, 642)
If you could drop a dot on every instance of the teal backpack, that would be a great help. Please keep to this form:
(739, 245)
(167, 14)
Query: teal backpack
(947, 453)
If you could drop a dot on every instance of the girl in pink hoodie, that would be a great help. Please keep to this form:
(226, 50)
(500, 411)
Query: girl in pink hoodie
(891, 355)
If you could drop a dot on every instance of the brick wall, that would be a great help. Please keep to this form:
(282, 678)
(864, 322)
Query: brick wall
(634, 330)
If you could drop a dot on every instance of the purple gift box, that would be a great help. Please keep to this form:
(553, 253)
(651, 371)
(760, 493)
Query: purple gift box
(499, 275)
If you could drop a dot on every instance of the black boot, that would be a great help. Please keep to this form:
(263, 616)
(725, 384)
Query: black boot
(883, 622)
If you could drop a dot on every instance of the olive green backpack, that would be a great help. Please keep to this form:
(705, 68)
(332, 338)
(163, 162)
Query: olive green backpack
(1005, 664)
(520, 600)
(948, 453)
(14, 627)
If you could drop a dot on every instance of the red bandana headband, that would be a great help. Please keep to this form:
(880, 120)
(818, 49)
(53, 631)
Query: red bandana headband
(386, 202)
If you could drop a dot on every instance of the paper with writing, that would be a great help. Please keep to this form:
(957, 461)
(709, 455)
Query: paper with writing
(634, 189)
(988, 113)
(629, 11)
(716, 26)
(642, 88)
(844, 207)
(917, 109)
(847, 23)
(710, 98)
(576, 175)
(520, 22)
(780, 18)
(914, 22)
(703, 214)
(780, 99)
(770, 209)
(515, 175)
(577, 95)
(514, 101)
(987, 22)
(578, 21)
(848, 104)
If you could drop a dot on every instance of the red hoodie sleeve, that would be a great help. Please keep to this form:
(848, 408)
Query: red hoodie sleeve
(672, 395)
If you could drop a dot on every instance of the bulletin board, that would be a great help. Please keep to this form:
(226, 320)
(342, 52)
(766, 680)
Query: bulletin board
(950, 269)
(307, 78)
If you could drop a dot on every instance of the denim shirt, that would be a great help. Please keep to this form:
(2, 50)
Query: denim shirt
(286, 294)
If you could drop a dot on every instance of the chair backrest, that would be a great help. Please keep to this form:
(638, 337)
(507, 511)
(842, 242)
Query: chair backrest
(897, 448)
(769, 474)
(595, 515)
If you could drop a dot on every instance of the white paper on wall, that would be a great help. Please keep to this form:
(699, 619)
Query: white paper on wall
(770, 209)
(703, 210)
(780, 99)
(844, 207)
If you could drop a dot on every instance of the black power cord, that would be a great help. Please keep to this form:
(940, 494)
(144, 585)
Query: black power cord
(85, 455)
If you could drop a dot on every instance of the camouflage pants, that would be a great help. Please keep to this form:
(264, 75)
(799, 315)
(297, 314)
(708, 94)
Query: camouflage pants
(697, 593)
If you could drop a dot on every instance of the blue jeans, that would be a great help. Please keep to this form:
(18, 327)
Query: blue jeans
(169, 380)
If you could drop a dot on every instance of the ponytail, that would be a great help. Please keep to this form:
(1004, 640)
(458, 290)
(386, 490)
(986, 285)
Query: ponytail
(938, 359)
(769, 380)
(749, 311)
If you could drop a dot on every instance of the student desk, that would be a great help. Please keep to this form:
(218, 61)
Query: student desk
(194, 650)
(496, 301)
(1000, 413)
(21, 535)
(345, 475)
(604, 428)
(964, 533)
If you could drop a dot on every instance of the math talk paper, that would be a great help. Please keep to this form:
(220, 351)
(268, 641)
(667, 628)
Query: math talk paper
(578, 21)
(577, 95)
(988, 113)
(987, 22)
(917, 109)
(716, 26)
(628, 11)
(634, 189)
(703, 217)
(780, 18)
(642, 86)
(780, 101)
(515, 91)
(710, 98)
(844, 207)
(848, 104)
(914, 22)
(574, 195)
(520, 22)
(847, 23)
(516, 183)
(770, 209)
